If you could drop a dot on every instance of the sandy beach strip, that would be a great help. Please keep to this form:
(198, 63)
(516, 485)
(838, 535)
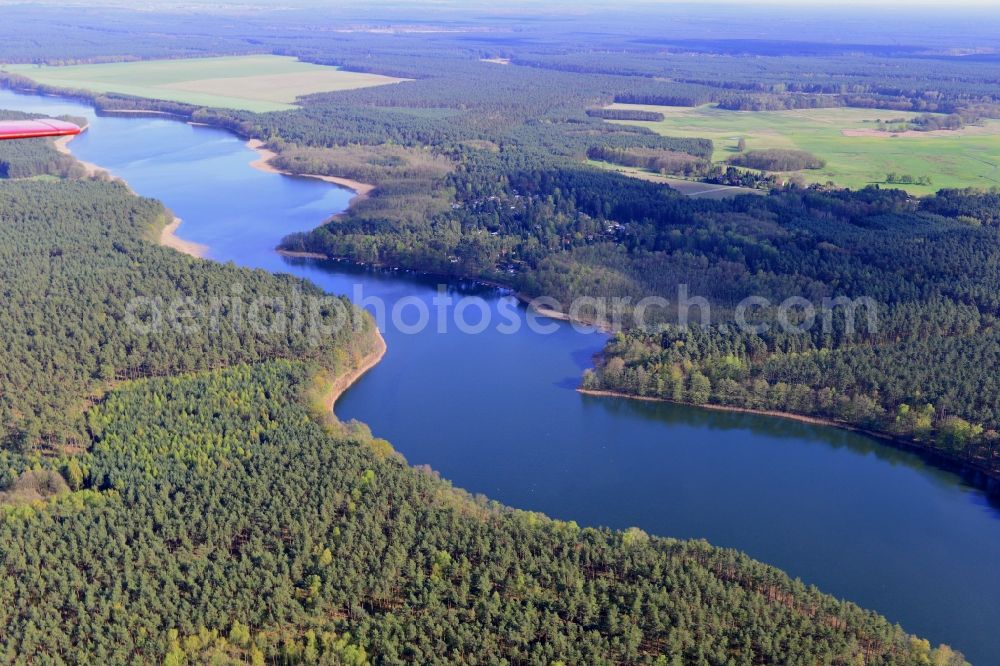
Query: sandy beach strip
(263, 163)
(169, 238)
(62, 145)
(345, 381)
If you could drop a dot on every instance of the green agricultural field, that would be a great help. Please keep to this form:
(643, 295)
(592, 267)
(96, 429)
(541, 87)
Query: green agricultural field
(856, 155)
(254, 83)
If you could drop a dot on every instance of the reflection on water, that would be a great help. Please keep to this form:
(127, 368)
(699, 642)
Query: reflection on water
(783, 428)
(498, 414)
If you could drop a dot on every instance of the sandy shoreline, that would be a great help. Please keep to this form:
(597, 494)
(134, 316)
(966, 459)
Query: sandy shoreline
(294, 254)
(559, 315)
(343, 382)
(169, 238)
(263, 163)
(168, 235)
(62, 145)
(145, 112)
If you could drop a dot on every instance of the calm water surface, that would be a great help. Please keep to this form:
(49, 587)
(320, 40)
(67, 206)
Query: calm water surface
(498, 414)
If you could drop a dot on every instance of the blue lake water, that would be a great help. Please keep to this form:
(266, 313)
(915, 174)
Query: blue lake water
(498, 414)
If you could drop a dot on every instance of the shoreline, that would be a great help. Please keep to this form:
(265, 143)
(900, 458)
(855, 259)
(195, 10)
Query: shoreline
(293, 254)
(263, 163)
(341, 383)
(62, 146)
(168, 234)
(143, 112)
(801, 418)
(168, 238)
(559, 315)
(986, 480)
(524, 299)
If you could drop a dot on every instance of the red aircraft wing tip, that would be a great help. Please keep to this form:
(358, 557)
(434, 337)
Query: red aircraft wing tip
(33, 129)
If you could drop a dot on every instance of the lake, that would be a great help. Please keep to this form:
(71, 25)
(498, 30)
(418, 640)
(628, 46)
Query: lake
(497, 413)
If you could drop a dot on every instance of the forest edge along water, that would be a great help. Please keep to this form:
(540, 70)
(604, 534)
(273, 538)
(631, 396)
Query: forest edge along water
(168, 234)
(975, 477)
(500, 414)
(263, 162)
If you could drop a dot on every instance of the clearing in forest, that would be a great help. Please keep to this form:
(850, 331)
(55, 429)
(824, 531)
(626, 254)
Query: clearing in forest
(253, 83)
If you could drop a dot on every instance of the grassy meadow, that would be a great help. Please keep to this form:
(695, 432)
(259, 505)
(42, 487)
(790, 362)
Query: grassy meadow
(254, 83)
(855, 154)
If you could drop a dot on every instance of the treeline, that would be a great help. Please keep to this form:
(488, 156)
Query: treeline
(665, 162)
(894, 178)
(664, 98)
(928, 122)
(626, 114)
(777, 159)
(730, 175)
(954, 121)
(673, 163)
(624, 142)
(772, 102)
(891, 387)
